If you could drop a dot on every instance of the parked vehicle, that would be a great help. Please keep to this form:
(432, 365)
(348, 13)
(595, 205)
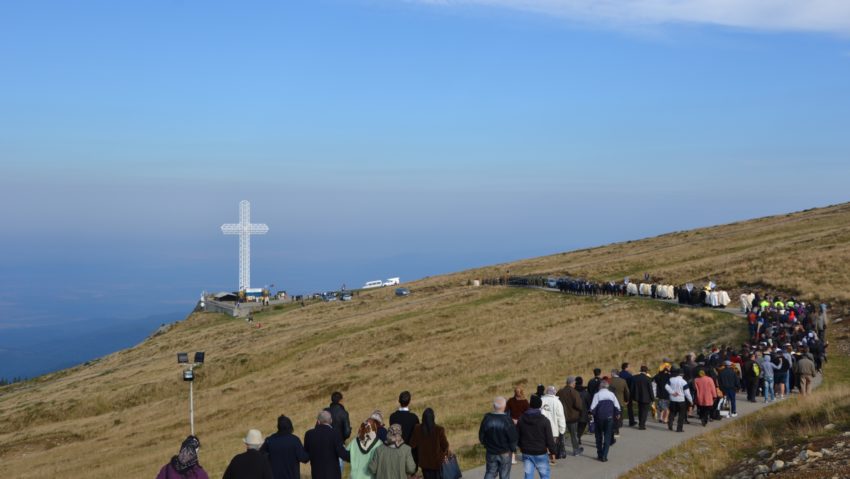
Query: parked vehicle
(373, 284)
(402, 292)
(346, 297)
(392, 282)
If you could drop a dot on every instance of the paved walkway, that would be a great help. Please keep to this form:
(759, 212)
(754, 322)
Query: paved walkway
(634, 447)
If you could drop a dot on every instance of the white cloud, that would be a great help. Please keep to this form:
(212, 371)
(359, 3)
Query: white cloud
(773, 15)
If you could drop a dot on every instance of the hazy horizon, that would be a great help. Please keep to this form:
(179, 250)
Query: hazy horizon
(384, 138)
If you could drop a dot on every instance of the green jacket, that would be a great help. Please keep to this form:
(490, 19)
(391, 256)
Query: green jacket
(392, 462)
(360, 459)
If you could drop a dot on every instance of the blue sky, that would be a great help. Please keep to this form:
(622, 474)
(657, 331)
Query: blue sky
(386, 138)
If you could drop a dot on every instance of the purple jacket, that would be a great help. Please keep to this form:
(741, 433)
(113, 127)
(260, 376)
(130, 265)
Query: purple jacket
(168, 472)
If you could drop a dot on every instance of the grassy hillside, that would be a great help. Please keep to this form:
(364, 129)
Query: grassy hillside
(452, 345)
(800, 253)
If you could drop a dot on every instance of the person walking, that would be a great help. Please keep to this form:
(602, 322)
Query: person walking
(680, 398)
(750, 376)
(706, 392)
(586, 399)
(554, 412)
(363, 447)
(395, 459)
(185, 464)
(573, 408)
(535, 440)
(251, 464)
(822, 321)
(285, 451)
(325, 448)
(605, 409)
(768, 368)
(661, 380)
(728, 382)
(780, 375)
(405, 418)
(806, 370)
(593, 384)
(341, 423)
(517, 405)
(626, 374)
(620, 388)
(498, 434)
(641, 393)
(430, 441)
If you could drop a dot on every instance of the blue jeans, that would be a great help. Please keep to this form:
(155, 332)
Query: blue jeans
(540, 463)
(768, 389)
(730, 395)
(604, 434)
(498, 465)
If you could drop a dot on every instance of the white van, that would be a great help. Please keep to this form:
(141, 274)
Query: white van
(373, 284)
(392, 281)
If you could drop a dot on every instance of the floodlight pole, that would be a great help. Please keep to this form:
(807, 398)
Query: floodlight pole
(191, 407)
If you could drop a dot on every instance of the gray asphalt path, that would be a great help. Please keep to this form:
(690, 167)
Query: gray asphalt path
(633, 447)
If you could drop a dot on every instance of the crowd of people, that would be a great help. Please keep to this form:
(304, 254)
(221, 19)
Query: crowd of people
(785, 351)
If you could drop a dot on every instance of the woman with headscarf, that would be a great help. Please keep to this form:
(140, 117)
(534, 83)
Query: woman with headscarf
(362, 448)
(185, 464)
(378, 416)
(431, 445)
(395, 461)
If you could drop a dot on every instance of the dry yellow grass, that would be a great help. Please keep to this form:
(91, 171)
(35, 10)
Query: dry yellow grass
(453, 346)
(802, 253)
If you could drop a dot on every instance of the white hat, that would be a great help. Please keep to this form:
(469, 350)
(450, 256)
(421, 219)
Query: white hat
(254, 438)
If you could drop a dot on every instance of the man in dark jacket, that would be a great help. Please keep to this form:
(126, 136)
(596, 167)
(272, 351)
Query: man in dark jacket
(325, 449)
(751, 377)
(661, 380)
(729, 383)
(405, 418)
(499, 436)
(573, 409)
(593, 384)
(641, 393)
(340, 416)
(535, 440)
(626, 374)
(285, 451)
(251, 464)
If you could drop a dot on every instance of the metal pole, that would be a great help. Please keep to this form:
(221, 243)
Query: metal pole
(191, 408)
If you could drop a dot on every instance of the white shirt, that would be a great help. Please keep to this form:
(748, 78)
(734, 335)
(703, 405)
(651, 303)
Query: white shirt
(678, 389)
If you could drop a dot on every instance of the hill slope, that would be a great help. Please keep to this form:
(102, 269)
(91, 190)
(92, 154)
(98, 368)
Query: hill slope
(452, 345)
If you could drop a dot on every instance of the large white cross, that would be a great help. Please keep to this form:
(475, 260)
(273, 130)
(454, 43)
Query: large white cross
(244, 229)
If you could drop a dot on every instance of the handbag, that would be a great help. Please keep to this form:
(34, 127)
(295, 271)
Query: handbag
(451, 469)
(562, 447)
